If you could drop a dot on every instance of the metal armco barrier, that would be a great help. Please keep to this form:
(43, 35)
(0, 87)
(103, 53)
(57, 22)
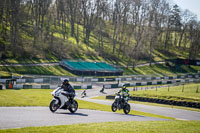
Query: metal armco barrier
(22, 86)
(109, 86)
(58, 79)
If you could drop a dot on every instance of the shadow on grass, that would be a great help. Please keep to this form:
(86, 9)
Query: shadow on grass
(128, 71)
(159, 72)
(37, 70)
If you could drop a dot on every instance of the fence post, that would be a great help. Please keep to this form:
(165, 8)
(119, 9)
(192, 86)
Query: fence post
(168, 87)
(197, 91)
(183, 88)
(156, 87)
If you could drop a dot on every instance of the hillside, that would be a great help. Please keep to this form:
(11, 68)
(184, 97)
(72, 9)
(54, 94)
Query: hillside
(69, 49)
(49, 31)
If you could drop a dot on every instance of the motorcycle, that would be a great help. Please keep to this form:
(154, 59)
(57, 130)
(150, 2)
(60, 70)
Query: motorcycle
(120, 103)
(63, 100)
(83, 94)
(102, 90)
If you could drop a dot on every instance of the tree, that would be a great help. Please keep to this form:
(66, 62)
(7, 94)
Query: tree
(187, 16)
(167, 27)
(72, 7)
(138, 22)
(194, 35)
(102, 9)
(175, 21)
(14, 15)
(89, 17)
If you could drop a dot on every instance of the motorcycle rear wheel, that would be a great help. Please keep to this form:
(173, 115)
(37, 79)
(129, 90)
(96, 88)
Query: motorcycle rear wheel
(74, 106)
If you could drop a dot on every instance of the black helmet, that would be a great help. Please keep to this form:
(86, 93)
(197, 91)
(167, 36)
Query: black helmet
(65, 81)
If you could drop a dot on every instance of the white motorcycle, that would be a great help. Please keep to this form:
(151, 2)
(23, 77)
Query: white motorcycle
(63, 100)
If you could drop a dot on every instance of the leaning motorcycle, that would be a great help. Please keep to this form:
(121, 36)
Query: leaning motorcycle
(63, 100)
(120, 103)
(83, 94)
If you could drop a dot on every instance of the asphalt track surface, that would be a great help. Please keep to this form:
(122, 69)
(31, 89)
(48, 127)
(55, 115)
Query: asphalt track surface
(179, 114)
(19, 117)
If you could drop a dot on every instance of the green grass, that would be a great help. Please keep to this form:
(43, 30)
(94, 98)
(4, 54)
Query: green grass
(42, 97)
(36, 70)
(25, 97)
(174, 93)
(164, 105)
(118, 127)
(160, 70)
(49, 57)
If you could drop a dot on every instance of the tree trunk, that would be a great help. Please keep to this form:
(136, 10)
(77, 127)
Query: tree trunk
(181, 37)
(77, 33)
(72, 27)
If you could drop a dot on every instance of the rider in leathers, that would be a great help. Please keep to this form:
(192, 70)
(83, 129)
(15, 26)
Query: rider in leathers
(124, 92)
(68, 89)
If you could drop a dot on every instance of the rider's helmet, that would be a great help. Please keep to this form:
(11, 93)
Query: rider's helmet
(124, 86)
(65, 82)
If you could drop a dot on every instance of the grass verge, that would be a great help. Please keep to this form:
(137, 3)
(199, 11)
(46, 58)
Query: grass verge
(116, 127)
(188, 92)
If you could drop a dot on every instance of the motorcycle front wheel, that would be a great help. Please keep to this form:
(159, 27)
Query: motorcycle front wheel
(74, 106)
(114, 107)
(53, 106)
(126, 108)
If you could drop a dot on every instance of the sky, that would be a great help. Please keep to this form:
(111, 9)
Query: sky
(191, 5)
